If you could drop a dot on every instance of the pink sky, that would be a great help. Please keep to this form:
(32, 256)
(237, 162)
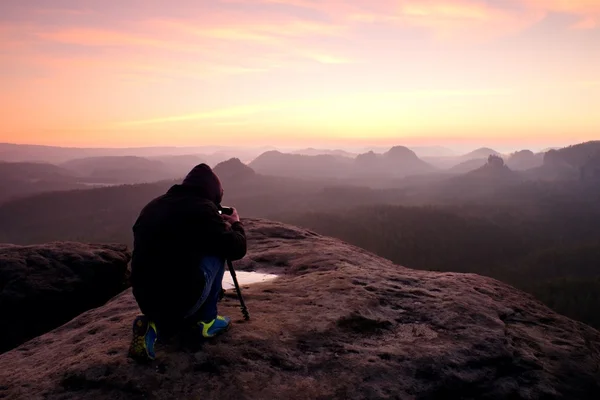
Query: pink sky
(306, 72)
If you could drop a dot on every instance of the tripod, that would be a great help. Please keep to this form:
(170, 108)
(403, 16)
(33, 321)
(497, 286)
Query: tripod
(238, 290)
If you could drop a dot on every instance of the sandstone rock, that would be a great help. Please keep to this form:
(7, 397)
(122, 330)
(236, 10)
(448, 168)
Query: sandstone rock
(339, 323)
(42, 287)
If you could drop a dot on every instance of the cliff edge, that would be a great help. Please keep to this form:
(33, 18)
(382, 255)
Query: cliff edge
(44, 286)
(339, 323)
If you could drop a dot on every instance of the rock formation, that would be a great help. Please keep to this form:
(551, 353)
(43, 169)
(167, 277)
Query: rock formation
(276, 163)
(590, 171)
(42, 287)
(524, 160)
(339, 323)
(234, 169)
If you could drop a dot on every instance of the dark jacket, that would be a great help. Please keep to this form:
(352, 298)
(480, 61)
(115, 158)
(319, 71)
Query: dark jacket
(171, 236)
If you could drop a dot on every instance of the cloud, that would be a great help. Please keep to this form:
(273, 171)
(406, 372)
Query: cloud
(111, 38)
(63, 11)
(453, 18)
(253, 46)
(587, 23)
(224, 113)
(330, 105)
(324, 58)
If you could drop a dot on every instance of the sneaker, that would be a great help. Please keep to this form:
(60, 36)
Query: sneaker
(144, 338)
(215, 327)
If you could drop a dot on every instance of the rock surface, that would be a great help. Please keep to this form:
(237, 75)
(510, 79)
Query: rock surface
(42, 287)
(339, 323)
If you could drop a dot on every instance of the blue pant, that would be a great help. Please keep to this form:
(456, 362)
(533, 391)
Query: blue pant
(205, 308)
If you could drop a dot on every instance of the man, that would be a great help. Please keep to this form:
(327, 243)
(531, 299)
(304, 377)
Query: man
(181, 244)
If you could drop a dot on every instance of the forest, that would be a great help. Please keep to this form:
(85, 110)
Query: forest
(551, 251)
(539, 235)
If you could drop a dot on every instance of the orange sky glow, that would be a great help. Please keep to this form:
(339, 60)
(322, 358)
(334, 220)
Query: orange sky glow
(299, 72)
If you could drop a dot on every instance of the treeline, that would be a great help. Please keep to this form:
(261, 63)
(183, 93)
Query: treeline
(552, 252)
(542, 237)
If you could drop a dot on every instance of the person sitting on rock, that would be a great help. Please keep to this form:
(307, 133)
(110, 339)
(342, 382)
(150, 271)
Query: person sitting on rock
(181, 244)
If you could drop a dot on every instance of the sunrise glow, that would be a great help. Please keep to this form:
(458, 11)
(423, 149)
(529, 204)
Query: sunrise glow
(145, 73)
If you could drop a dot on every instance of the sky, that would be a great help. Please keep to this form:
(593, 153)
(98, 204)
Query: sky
(110, 73)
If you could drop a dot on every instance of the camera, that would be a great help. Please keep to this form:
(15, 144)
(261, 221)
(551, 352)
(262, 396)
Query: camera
(225, 210)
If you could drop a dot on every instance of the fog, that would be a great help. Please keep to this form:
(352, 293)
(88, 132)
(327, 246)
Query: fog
(529, 218)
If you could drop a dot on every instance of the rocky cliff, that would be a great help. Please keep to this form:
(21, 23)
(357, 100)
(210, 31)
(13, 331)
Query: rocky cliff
(339, 323)
(44, 286)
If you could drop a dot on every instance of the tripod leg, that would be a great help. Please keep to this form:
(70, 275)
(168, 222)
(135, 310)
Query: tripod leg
(238, 290)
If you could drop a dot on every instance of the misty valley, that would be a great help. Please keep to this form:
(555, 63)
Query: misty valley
(528, 219)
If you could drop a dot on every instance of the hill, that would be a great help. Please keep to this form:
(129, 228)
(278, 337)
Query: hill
(367, 168)
(234, 169)
(405, 162)
(566, 163)
(491, 180)
(26, 178)
(110, 212)
(397, 162)
(494, 170)
(590, 171)
(382, 331)
(52, 154)
(119, 169)
(574, 156)
(319, 152)
(300, 166)
(462, 163)
(524, 160)
(33, 171)
(468, 166)
(483, 152)
(432, 151)
(178, 166)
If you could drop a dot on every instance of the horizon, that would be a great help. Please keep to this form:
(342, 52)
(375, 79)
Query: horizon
(456, 150)
(463, 74)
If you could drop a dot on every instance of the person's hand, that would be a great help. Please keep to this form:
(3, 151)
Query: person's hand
(234, 217)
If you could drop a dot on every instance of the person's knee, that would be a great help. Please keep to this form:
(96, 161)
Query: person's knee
(213, 262)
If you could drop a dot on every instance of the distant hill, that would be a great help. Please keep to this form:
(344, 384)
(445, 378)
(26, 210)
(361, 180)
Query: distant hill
(403, 161)
(491, 179)
(524, 160)
(109, 212)
(57, 155)
(234, 169)
(399, 161)
(34, 171)
(574, 156)
(27, 178)
(120, 169)
(465, 161)
(179, 165)
(300, 166)
(494, 170)
(468, 166)
(318, 152)
(566, 163)
(590, 171)
(212, 155)
(432, 151)
(483, 152)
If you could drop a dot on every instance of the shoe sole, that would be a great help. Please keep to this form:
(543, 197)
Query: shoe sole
(137, 349)
(216, 334)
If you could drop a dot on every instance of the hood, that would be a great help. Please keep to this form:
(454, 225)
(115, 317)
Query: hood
(205, 183)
